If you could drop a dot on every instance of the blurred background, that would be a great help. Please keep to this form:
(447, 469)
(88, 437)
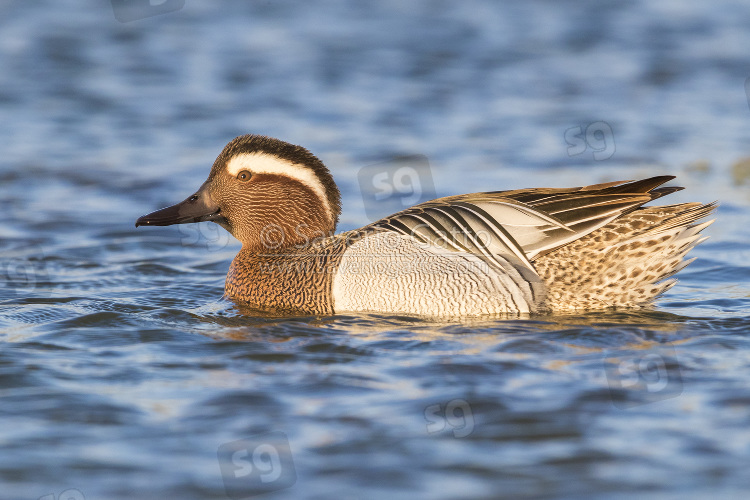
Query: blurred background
(486, 92)
(123, 373)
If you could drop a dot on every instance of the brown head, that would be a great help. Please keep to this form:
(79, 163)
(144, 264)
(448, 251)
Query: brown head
(267, 193)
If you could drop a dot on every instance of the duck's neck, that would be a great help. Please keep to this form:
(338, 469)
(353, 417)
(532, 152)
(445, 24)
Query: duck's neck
(279, 238)
(292, 278)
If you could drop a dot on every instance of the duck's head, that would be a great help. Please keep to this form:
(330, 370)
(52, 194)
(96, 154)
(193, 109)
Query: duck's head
(267, 193)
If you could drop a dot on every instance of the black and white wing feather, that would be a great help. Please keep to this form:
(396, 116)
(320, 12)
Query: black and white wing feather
(512, 228)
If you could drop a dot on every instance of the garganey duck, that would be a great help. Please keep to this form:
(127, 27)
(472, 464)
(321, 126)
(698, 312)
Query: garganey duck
(520, 251)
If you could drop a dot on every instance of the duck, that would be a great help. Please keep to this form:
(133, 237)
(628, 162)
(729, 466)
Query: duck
(520, 252)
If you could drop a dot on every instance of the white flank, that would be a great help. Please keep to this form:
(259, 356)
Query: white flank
(263, 163)
(393, 273)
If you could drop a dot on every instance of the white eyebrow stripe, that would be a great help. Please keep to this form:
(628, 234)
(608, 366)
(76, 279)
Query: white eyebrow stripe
(263, 163)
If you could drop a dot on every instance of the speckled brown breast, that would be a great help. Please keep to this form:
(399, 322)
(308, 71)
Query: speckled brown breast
(294, 279)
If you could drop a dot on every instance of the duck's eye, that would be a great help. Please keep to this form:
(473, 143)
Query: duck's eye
(244, 175)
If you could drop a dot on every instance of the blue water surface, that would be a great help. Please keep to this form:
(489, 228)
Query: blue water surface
(123, 372)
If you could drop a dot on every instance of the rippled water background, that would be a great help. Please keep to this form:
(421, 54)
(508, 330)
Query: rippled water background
(124, 375)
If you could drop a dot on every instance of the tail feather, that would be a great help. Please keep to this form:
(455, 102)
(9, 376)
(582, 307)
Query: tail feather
(648, 186)
(664, 191)
(626, 263)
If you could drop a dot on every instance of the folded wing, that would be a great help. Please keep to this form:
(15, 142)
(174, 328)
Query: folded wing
(512, 228)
